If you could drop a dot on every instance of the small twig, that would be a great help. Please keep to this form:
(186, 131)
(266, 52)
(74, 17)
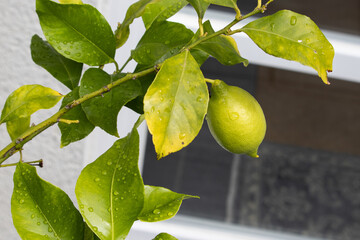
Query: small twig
(127, 61)
(33, 163)
(68, 121)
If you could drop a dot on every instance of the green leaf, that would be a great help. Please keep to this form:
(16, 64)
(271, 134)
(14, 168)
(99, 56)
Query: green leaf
(26, 100)
(161, 41)
(89, 234)
(200, 7)
(76, 131)
(223, 48)
(103, 110)
(199, 55)
(161, 204)
(293, 36)
(70, 1)
(225, 3)
(77, 31)
(176, 103)
(164, 236)
(42, 211)
(134, 11)
(110, 191)
(63, 69)
(161, 10)
(17, 127)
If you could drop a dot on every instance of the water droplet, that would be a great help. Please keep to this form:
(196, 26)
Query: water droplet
(50, 229)
(104, 172)
(272, 26)
(21, 201)
(38, 223)
(170, 214)
(116, 193)
(91, 209)
(156, 211)
(97, 179)
(67, 52)
(148, 51)
(81, 205)
(199, 99)
(299, 41)
(32, 215)
(161, 99)
(293, 20)
(78, 54)
(109, 163)
(152, 109)
(233, 116)
(182, 136)
(95, 229)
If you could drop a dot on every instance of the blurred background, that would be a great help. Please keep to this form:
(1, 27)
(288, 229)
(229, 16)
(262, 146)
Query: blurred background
(306, 183)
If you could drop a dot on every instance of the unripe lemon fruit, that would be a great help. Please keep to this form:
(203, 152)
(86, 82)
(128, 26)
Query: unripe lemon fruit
(235, 119)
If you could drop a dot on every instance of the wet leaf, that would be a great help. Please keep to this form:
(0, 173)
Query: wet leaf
(63, 69)
(164, 236)
(223, 48)
(70, 1)
(77, 31)
(42, 211)
(134, 11)
(110, 191)
(175, 104)
(26, 100)
(103, 110)
(161, 10)
(17, 127)
(161, 204)
(293, 36)
(75, 131)
(161, 41)
(200, 7)
(225, 3)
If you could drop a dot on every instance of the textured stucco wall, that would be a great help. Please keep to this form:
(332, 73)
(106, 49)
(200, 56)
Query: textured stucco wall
(18, 22)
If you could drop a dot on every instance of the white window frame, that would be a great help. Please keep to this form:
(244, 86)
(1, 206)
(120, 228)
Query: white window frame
(346, 61)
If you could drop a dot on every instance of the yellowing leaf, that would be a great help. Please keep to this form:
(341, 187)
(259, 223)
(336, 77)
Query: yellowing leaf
(176, 103)
(293, 36)
(28, 99)
(70, 1)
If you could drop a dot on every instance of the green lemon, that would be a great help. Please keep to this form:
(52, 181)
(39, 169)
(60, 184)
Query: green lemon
(235, 119)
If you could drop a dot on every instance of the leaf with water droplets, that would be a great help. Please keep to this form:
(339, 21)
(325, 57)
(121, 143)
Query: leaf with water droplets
(176, 103)
(161, 204)
(103, 110)
(134, 11)
(110, 191)
(200, 7)
(39, 208)
(223, 48)
(164, 236)
(77, 31)
(28, 99)
(161, 41)
(225, 3)
(75, 131)
(295, 37)
(63, 69)
(161, 10)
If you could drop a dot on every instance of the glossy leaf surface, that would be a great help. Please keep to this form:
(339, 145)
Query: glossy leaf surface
(223, 48)
(26, 100)
(110, 191)
(164, 236)
(161, 10)
(175, 104)
(70, 1)
(293, 36)
(200, 7)
(225, 3)
(17, 127)
(103, 110)
(134, 11)
(77, 31)
(75, 131)
(63, 69)
(161, 41)
(42, 211)
(161, 204)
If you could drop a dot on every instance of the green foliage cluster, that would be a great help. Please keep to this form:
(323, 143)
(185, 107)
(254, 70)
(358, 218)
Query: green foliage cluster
(167, 88)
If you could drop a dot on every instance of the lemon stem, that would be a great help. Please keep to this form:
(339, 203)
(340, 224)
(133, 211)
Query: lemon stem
(209, 80)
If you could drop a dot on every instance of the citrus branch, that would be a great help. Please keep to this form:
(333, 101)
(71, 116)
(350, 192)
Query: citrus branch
(18, 143)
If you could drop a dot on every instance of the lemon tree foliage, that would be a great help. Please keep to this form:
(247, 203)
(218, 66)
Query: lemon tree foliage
(167, 89)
